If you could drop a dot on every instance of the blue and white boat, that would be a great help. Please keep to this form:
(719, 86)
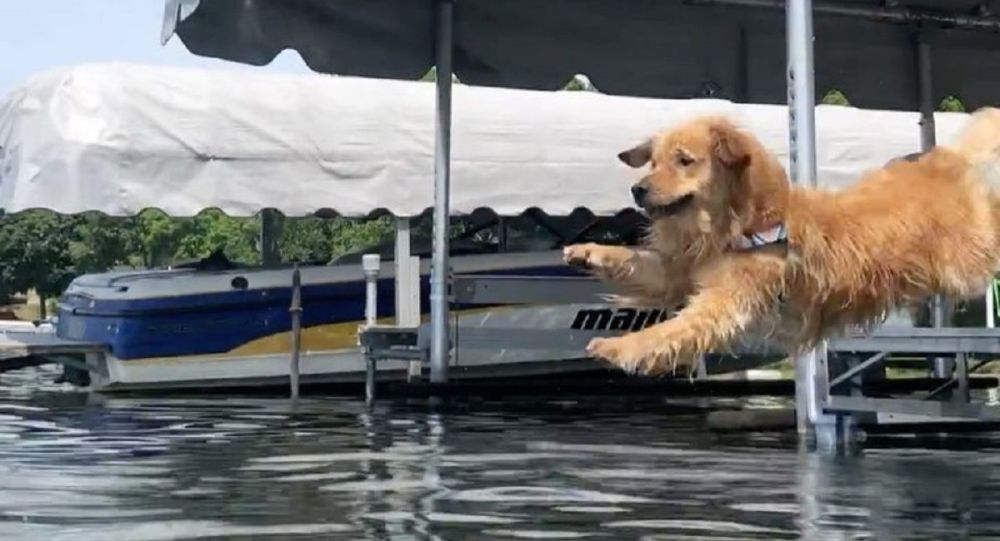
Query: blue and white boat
(225, 327)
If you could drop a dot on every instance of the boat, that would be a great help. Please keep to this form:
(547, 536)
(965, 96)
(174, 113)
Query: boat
(119, 139)
(218, 323)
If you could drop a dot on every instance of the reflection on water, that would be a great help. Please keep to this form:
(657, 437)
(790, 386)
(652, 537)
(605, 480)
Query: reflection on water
(82, 467)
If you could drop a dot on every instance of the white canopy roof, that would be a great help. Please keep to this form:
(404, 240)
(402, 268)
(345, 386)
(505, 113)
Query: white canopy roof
(122, 138)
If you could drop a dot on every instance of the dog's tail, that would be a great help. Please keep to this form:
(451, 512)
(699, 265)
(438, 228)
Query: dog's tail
(979, 142)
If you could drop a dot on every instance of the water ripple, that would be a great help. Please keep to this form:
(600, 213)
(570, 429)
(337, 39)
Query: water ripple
(85, 467)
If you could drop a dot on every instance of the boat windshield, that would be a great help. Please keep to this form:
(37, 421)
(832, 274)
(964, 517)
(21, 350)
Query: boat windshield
(485, 233)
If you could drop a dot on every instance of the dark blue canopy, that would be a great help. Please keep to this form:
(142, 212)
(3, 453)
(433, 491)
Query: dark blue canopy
(733, 49)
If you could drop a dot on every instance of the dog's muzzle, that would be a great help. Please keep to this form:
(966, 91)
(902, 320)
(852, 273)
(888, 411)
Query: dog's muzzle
(639, 194)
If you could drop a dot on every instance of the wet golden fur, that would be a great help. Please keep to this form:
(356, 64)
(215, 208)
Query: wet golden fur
(904, 232)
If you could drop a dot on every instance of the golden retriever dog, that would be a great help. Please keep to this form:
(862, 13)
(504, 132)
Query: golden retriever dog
(744, 252)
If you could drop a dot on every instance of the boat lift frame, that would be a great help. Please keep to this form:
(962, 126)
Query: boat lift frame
(830, 405)
(822, 410)
(831, 418)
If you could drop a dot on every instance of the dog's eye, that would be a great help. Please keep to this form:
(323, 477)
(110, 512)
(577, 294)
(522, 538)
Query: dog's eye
(684, 160)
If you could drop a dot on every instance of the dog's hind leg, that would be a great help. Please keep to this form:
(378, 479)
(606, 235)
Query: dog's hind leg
(732, 295)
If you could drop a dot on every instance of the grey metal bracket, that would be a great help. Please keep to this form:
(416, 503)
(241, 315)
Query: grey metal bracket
(957, 343)
(385, 342)
(920, 340)
(939, 410)
(858, 369)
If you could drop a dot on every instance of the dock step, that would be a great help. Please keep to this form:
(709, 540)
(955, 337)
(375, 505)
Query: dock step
(23, 349)
(16, 344)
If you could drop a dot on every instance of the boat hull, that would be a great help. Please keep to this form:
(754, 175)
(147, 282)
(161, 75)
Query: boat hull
(196, 330)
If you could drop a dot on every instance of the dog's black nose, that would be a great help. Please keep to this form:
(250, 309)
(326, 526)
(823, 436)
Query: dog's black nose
(639, 193)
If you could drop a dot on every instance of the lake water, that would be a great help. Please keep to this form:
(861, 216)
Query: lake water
(79, 467)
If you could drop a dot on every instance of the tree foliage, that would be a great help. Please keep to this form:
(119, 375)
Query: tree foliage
(951, 104)
(349, 236)
(42, 251)
(580, 83)
(835, 97)
(35, 254)
(98, 243)
(306, 240)
(213, 231)
(155, 238)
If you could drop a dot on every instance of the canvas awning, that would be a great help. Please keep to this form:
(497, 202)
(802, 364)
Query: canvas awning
(732, 49)
(119, 138)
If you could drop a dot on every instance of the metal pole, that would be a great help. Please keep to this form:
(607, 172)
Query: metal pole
(810, 369)
(928, 135)
(402, 260)
(442, 176)
(296, 310)
(881, 14)
(962, 365)
(991, 306)
(407, 288)
(801, 92)
(371, 265)
(270, 233)
(943, 368)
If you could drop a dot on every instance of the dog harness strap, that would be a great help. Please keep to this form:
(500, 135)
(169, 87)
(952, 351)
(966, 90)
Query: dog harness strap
(775, 235)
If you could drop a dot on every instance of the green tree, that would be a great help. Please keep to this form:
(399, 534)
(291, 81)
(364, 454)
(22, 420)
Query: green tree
(156, 238)
(951, 104)
(307, 240)
(100, 242)
(348, 236)
(580, 83)
(34, 254)
(835, 97)
(431, 76)
(212, 230)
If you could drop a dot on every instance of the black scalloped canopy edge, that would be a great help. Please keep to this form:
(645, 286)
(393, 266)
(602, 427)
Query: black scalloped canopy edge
(325, 212)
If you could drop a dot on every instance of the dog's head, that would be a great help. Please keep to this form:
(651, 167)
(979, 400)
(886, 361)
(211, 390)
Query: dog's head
(694, 171)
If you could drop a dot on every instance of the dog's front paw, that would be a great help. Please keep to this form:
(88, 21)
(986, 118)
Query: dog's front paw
(589, 256)
(629, 354)
(622, 352)
(610, 261)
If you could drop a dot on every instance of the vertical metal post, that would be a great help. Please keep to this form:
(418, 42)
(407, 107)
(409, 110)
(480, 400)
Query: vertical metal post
(371, 265)
(928, 135)
(296, 310)
(270, 233)
(962, 375)
(811, 375)
(991, 305)
(407, 288)
(502, 233)
(943, 368)
(801, 92)
(442, 177)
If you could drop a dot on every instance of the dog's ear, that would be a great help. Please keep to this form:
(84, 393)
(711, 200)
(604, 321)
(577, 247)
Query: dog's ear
(730, 146)
(637, 156)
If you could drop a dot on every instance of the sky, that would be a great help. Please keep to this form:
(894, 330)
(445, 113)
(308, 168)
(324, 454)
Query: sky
(36, 35)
